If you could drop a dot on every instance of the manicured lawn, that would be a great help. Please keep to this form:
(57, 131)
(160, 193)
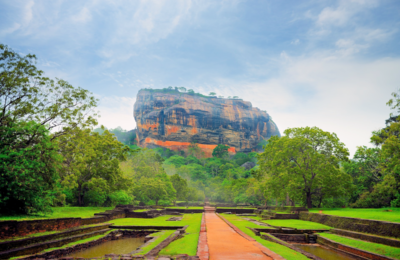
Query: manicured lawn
(184, 245)
(376, 214)
(188, 243)
(389, 251)
(292, 223)
(160, 237)
(236, 208)
(185, 207)
(285, 252)
(62, 212)
(295, 223)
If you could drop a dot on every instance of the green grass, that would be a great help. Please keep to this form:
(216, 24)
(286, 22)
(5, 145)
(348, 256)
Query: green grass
(295, 223)
(375, 214)
(184, 245)
(285, 252)
(184, 207)
(161, 236)
(188, 243)
(292, 223)
(389, 251)
(62, 212)
(44, 233)
(236, 208)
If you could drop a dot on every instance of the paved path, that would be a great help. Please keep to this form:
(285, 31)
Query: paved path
(225, 243)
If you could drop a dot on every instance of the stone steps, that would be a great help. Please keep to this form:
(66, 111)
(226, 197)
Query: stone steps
(38, 247)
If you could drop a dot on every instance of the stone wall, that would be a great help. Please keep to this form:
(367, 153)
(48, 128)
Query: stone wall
(9, 229)
(381, 228)
(235, 211)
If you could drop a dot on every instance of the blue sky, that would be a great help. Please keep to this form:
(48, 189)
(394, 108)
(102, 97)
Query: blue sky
(330, 64)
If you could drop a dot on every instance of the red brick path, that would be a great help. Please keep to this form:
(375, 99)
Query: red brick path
(225, 243)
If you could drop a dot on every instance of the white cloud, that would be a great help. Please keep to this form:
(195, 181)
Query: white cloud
(343, 13)
(334, 93)
(83, 16)
(117, 111)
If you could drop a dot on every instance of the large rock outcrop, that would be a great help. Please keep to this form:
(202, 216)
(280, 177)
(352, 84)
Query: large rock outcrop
(172, 119)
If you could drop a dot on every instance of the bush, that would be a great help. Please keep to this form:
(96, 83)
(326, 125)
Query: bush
(120, 198)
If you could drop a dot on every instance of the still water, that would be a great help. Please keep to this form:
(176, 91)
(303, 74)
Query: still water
(119, 246)
(324, 253)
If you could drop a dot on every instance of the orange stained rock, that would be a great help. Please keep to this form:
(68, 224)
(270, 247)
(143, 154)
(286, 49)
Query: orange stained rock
(172, 129)
(178, 146)
(224, 243)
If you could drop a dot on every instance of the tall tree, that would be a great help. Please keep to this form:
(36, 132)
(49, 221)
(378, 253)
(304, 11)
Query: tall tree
(220, 151)
(89, 155)
(305, 162)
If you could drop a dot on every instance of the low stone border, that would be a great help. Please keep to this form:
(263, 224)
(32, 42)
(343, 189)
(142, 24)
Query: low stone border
(178, 233)
(202, 246)
(60, 253)
(265, 250)
(376, 227)
(371, 238)
(148, 227)
(274, 239)
(34, 248)
(8, 245)
(362, 254)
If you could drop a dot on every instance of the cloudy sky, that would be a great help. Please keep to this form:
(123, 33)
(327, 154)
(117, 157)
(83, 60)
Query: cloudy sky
(325, 63)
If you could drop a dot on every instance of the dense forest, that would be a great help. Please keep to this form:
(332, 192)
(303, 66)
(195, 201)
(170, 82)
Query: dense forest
(54, 154)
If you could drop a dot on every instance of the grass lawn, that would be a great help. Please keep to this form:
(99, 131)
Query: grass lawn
(389, 251)
(284, 251)
(184, 245)
(292, 223)
(184, 207)
(188, 243)
(375, 214)
(295, 223)
(62, 212)
(236, 208)
(160, 237)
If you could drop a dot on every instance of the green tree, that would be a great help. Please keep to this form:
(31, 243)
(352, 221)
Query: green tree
(34, 111)
(28, 172)
(304, 163)
(389, 139)
(212, 94)
(365, 170)
(181, 187)
(195, 150)
(89, 155)
(220, 151)
(153, 189)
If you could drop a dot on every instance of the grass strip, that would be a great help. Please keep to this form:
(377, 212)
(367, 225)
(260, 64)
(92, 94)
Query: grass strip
(292, 223)
(45, 233)
(383, 214)
(161, 236)
(184, 207)
(61, 212)
(285, 252)
(188, 243)
(376, 248)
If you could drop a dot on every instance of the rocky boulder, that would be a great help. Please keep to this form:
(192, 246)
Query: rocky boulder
(172, 119)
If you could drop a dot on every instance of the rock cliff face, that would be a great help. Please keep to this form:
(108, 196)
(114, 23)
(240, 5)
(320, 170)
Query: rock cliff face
(171, 119)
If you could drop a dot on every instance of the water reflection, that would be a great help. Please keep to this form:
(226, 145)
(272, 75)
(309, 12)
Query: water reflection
(324, 253)
(119, 246)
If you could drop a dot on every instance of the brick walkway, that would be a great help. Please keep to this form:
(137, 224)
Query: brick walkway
(225, 243)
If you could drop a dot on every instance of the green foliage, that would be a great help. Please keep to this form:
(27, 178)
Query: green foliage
(221, 151)
(28, 168)
(305, 163)
(181, 186)
(91, 163)
(31, 106)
